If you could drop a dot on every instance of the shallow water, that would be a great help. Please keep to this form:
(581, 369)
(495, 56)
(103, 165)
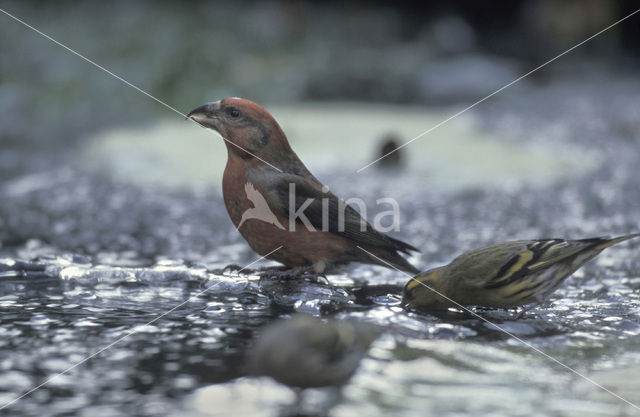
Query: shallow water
(105, 256)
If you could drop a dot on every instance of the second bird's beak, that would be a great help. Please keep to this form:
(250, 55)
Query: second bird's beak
(206, 115)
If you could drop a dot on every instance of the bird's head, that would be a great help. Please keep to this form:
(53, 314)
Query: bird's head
(248, 129)
(422, 291)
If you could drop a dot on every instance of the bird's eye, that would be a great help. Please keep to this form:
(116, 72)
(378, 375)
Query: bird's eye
(233, 112)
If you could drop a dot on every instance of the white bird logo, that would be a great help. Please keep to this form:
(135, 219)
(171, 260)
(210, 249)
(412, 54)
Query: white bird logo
(260, 210)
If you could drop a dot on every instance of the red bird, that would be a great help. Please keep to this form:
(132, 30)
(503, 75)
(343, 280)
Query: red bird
(275, 202)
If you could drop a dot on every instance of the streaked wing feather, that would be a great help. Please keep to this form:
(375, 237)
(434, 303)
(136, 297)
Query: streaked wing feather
(353, 226)
(503, 264)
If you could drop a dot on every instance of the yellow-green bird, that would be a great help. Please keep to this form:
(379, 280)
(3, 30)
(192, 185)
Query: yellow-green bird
(504, 275)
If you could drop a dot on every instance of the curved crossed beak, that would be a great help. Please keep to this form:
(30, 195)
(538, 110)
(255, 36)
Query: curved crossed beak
(206, 115)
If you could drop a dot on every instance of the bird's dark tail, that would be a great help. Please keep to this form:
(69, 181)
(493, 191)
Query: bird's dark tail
(400, 245)
(403, 265)
(389, 258)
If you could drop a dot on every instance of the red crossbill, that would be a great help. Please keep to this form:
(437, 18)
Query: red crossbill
(275, 202)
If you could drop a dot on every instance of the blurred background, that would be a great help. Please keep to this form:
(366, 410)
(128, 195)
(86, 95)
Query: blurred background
(111, 202)
(282, 52)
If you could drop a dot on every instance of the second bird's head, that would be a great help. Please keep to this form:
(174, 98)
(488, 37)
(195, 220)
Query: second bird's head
(424, 291)
(248, 129)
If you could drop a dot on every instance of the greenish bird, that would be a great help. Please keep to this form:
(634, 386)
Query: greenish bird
(504, 275)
